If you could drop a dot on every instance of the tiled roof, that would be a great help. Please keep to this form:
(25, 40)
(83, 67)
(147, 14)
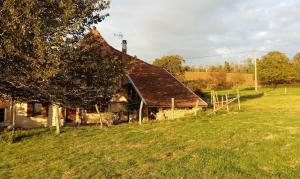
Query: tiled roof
(154, 84)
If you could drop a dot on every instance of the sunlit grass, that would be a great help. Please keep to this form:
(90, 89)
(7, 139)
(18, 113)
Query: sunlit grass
(261, 141)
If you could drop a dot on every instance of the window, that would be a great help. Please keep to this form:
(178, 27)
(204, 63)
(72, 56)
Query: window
(37, 109)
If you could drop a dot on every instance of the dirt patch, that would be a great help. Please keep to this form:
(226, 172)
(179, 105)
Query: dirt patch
(292, 130)
(270, 136)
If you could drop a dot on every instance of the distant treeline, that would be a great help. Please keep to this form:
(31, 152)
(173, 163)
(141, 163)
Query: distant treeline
(273, 68)
(246, 66)
(217, 80)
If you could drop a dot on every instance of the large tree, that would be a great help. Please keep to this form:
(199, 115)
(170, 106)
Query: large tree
(40, 55)
(33, 34)
(275, 68)
(296, 62)
(88, 76)
(172, 63)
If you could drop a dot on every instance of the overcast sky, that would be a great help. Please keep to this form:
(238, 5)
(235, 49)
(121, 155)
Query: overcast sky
(204, 31)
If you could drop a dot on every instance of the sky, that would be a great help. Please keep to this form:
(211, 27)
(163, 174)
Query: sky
(204, 31)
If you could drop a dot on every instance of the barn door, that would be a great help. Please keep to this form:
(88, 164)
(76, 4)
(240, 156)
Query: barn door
(2, 114)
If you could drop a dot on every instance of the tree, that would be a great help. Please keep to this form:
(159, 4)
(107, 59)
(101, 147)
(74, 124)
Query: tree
(274, 68)
(217, 80)
(247, 66)
(172, 64)
(88, 76)
(34, 38)
(227, 67)
(296, 62)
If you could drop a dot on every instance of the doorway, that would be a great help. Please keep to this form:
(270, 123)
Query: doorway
(2, 115)
(70, 115)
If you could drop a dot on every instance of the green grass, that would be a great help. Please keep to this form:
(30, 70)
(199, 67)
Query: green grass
(261, 141)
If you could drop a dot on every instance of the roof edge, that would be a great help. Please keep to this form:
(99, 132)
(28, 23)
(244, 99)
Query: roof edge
(185, 87)
(137, 90)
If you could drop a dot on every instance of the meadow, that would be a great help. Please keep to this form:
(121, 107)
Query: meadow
(260, 141)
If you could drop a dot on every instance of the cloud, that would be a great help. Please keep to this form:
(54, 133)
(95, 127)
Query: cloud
(194, 28)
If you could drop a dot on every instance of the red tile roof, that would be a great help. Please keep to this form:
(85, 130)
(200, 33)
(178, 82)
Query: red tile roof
(154, 84)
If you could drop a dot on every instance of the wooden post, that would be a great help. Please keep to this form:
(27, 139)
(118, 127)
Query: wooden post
(222, 101)
(285, 90)
(214, 103)
(99, 113)
(141, 112)
(196, 107)
(173, 106)
(211, 97)
(147, 113)
(255, 72)
(13, 116)
(217, 98)
(57, 120)
(227, 107)
(238, 98)
(82, 116)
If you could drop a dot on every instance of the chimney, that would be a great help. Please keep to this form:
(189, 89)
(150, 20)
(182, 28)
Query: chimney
(124, 46)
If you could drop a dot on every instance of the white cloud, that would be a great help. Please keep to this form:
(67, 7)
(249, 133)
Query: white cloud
(194, 28)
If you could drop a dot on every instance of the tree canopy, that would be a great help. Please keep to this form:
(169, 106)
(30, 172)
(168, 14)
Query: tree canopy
(88, 76)
(275, 68)
(296, 62)
(38, 41)
(172, 63)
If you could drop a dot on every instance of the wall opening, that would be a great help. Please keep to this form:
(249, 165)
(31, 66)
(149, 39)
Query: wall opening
(2, 114)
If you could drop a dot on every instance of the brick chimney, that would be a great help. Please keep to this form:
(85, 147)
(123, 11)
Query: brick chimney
(124, 46)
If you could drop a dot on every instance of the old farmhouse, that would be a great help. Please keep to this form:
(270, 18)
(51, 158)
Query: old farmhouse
(148, 92)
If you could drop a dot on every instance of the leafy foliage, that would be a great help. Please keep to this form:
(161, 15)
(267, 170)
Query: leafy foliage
(172, 63)
(39, 54)
(88, 76)
(296, 63)
(275, 68)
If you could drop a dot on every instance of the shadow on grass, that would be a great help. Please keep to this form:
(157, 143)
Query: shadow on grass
(251, 96)
(20, 135)
(243, 98)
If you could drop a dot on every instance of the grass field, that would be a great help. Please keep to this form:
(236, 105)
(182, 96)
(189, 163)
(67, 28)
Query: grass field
(261, 141)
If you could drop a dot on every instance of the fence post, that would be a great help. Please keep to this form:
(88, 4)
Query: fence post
(172, 107)
(285, 90)
(196, 107)
(214, 102)
(211, 97)
(238, 98)
(227, 107)
(222, 101)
